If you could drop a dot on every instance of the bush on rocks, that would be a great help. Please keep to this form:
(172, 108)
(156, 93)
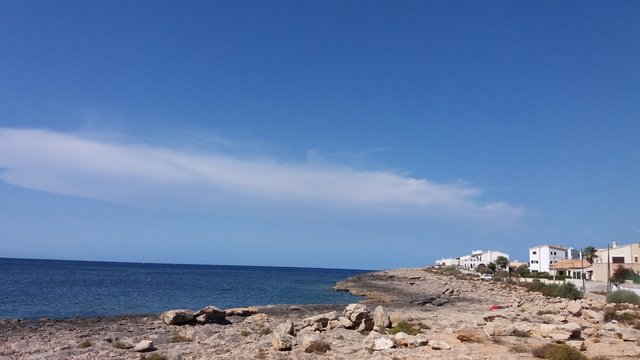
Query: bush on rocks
(568, 291)
(623, 296)
(403, 326)
(557, 352)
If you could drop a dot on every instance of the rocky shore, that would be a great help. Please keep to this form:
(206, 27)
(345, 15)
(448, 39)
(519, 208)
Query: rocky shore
(405, 314)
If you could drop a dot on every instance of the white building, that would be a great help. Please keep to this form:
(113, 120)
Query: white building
(480, 257)
(540, 257)
(448, 262)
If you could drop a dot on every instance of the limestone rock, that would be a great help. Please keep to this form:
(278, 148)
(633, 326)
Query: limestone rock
(210, 314)
(499, 327)
(286, 328)
(593, 316)
(144, 345)
(574, 330)
(406, 340)
(242, 311)
(439, 345)
(575, 308)
(628, 334)
(283, 342)
(376, 342)
(257, 319)
(381, 318)
(357, 313)
(577, 344)
(469, 334)
(313, 343)
(178, 317)
(322, 319)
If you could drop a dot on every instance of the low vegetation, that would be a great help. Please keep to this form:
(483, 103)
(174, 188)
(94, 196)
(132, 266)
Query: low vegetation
(623, 297)
(557, 352)
(566, 290)
(405, 327)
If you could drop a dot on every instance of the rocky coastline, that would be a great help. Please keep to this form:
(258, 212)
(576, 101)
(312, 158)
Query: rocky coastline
(404, 314)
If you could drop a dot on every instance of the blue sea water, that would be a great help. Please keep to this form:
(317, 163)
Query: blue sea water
(60, 289)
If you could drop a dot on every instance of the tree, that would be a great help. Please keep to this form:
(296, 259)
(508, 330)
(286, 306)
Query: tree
(482, 268)
(502, 262)
(619, 275)
(492, 266)
(523, 270)
(589, 253)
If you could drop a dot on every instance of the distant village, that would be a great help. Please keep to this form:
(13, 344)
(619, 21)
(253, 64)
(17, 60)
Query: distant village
(558, 261)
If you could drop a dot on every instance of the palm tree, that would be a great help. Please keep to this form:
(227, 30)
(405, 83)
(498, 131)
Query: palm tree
(589, 253)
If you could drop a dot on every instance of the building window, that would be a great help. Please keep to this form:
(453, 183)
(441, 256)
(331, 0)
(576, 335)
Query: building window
(534, 261)
(534, 252)
(617, 259)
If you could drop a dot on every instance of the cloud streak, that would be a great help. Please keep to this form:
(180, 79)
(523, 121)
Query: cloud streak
(145, 175)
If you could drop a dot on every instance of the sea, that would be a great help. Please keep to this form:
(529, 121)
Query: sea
(61, 289)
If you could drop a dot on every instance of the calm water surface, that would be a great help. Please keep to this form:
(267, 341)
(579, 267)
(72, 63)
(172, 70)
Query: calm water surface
(63, 289)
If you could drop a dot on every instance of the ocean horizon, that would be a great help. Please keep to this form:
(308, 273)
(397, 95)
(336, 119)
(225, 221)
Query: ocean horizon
(62, 289)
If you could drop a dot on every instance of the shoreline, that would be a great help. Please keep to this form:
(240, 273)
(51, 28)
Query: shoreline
(450, 315)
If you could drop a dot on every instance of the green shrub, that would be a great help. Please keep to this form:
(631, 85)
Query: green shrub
(623, 296)
(557, 352)
(564, 352)
(568, 291)
(403, 326)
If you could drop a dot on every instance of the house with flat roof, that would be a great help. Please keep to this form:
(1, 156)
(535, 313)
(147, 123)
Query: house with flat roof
(543, 256)
(626, 255)
(471, 261)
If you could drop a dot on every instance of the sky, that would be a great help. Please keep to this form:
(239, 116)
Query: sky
(336, 134)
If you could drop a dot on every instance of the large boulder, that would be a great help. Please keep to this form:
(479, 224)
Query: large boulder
(210, 314)
(178, 317)
(381, 318)
(359, 316)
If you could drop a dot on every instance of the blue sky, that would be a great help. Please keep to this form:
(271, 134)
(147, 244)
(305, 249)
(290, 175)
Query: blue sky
(352, 134)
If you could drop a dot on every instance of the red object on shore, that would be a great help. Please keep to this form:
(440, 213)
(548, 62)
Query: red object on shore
(495, 307)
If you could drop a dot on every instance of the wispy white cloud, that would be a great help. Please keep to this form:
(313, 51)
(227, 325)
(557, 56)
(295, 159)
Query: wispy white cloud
(133, 173)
